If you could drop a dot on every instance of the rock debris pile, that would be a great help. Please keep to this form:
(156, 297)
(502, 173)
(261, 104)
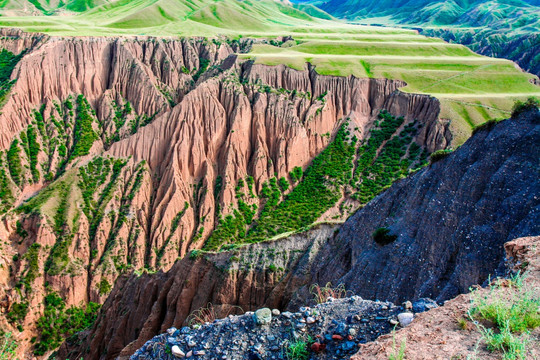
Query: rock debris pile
(332, 330)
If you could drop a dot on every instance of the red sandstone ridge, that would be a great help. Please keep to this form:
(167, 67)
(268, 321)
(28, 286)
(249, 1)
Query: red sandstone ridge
(168, 120)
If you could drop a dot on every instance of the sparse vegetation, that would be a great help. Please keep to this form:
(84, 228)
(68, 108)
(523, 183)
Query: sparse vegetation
(297, 349)
(322, 293)
(523, 106)
(202, 316)
(58, 322)
(505, 314)
(397, 354)
(8, 346)
(439, 155)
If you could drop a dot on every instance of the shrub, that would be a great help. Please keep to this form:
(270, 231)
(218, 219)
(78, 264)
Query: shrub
(439, 155)
(58, 322)
(14, 162)
(104, 287)
(488, 125)
(297, 349)
(8, 346)
(521, 107)
(195, 254)
(18, 313)
(383, 237)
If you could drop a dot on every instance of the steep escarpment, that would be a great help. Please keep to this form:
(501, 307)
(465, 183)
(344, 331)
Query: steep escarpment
(441, 230)
(126, 154)
(458, 212)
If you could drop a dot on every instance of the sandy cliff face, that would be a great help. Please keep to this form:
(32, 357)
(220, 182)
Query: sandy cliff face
(458, 212)
(125, 153)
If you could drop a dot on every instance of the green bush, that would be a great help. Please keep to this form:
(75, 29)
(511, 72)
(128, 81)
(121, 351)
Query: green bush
(8, 346)
(83, 133)
(18, 313)
(33, 151)
(104, 287)
(8, 61)
(57, 322)
(383, 237)
(14, 162)
(523, 106)
(32, 256)
(439, 155)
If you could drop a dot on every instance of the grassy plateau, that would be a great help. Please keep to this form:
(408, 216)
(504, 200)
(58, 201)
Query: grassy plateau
(471, 88)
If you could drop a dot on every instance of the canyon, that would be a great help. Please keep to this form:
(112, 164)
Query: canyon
(494, 176)
(126, 154)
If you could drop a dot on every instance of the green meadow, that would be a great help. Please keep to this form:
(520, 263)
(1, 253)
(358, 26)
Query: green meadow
(471, 88)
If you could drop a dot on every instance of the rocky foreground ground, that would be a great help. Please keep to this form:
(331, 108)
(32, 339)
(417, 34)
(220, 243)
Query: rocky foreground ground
(334, 329)
(350, 328)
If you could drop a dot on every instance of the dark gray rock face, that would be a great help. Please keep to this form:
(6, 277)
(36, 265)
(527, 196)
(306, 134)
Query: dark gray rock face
(451, 220)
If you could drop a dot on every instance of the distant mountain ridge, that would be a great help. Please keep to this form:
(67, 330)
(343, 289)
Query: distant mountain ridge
(436, 12)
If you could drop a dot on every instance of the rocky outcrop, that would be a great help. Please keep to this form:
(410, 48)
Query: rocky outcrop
(450, 220)
(458, 212)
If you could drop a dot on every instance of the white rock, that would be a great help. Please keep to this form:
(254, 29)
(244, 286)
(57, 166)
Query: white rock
(394, 322)
(276, 312)
(192, 343)
(176, 351)
(405, 318)
(190, 353)
(310, 320)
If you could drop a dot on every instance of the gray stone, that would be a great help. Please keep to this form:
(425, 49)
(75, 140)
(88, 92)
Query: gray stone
(276, 312)
(423, 304)
(405, 318)
(263, 316)
(288, 314)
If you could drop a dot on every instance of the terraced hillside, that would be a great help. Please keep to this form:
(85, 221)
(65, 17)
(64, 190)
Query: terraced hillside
(503, 28)
(472, 88)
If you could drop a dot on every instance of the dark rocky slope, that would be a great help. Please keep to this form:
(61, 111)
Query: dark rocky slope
(451, 221)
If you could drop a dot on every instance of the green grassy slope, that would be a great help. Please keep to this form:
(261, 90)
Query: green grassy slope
(499, 28)
(163, 17)
(472, 88)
